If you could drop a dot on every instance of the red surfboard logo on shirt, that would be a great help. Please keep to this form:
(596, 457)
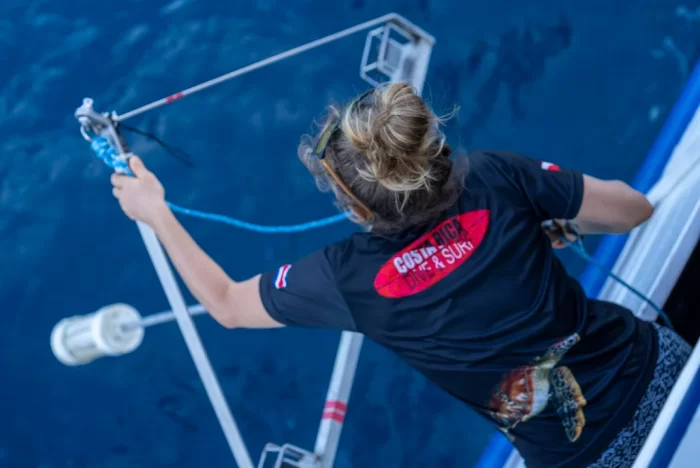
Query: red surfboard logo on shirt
(548, 166)
(433, 256)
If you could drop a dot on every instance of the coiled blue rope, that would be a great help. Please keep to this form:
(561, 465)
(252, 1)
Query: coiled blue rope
(109, 155)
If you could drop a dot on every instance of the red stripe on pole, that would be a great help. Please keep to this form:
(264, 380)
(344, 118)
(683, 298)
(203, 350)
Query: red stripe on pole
(174, 97)
(334, 415)
(336, 405)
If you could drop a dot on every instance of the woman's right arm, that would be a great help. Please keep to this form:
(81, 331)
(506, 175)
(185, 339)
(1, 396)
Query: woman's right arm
(611, 206)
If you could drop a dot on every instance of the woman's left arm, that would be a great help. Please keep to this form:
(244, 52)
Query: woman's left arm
(233, 304)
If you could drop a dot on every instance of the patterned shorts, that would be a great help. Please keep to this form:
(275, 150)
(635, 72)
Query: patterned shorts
(673, 354)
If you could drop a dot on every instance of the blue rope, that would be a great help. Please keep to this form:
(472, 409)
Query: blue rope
(106, 152)
(256, 227)
(109, 155)
(581, 252)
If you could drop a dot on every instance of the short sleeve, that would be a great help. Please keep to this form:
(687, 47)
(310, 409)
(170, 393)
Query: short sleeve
(552, 191)
(305, 294)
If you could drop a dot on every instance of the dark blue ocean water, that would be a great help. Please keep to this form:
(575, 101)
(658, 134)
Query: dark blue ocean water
(586, 85)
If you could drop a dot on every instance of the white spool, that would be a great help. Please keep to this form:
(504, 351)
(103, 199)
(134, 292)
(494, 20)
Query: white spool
(83, 338)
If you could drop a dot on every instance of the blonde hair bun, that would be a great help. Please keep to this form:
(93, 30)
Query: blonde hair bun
(398, 135)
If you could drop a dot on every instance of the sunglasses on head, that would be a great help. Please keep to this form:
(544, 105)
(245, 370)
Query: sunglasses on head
(320, 153)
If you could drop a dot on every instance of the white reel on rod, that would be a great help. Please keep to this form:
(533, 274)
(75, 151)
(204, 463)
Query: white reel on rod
(81, 339)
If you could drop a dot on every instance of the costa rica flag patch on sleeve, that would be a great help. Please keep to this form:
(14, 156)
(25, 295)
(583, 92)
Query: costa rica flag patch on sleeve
(548, 166)
(281, 278)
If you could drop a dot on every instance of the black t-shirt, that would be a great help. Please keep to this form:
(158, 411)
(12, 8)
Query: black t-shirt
(479, 303)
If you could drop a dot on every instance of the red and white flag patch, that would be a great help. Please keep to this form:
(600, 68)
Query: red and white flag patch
(281, 279)
(548, 166)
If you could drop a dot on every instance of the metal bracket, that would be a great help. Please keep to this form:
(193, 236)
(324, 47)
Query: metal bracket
(396, 52)
(105, 125)
(288, 456)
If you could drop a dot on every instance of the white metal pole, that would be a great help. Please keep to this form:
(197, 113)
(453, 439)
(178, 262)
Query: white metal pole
(194, 344)
(337, 397)
(423, 50)
(260, 64)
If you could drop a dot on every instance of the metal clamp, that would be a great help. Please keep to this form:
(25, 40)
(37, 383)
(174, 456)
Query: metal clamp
(96, 124)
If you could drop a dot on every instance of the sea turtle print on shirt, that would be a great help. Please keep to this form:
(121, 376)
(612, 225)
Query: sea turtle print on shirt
(526, 391)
